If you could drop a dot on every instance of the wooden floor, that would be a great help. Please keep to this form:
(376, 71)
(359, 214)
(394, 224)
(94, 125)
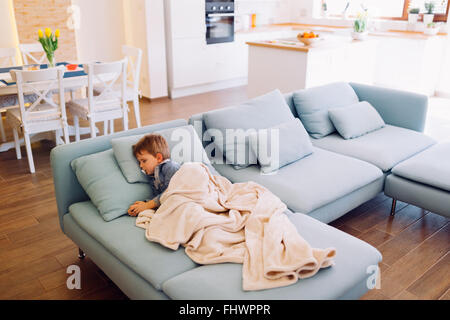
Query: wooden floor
(34, 253)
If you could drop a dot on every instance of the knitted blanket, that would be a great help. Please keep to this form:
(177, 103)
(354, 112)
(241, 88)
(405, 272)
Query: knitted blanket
(217, 221)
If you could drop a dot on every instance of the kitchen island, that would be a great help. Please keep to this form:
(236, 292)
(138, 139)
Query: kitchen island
(288, 64)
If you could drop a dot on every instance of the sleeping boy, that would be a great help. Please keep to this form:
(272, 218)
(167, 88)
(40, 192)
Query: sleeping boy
(153, 154)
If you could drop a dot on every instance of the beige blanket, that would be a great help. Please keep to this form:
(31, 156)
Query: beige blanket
(217, 221)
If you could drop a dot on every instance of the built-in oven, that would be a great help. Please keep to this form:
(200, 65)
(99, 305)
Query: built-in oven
(219, 17)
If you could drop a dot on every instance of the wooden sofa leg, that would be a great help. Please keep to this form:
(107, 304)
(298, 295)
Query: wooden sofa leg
(394, 203)
(81, 254)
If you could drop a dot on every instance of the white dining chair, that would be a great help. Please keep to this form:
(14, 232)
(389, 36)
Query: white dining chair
(132, 92)
(44, 114)
(32, 53)
(8, 59)
(108, 104)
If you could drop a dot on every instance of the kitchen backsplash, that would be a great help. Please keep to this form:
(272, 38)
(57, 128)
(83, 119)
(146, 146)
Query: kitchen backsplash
(270, 11)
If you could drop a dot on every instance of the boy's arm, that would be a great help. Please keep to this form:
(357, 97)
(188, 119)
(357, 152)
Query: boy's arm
(168, 171)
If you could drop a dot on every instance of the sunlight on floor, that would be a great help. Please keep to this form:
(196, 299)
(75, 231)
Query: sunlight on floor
(438, 119)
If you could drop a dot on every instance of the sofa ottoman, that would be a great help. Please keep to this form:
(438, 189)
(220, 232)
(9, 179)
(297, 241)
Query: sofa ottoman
(423, 180)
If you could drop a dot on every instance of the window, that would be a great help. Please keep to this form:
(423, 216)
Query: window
(440, 7)
(377, 8)
(389, 9)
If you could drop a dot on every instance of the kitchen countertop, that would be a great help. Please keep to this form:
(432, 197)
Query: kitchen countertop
(294, 44)
(332, 29)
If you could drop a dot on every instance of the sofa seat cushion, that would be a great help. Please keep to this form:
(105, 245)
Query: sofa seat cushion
(431, 167)
(127, 243)
(384, 148)
(311, 182)
(224, 281)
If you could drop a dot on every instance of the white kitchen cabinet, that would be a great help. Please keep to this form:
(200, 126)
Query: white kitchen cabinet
(288, 69)
(192, 63)
(194, 66)
(187, 18)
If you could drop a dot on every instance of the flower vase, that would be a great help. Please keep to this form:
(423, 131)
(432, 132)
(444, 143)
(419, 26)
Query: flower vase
(51, 60)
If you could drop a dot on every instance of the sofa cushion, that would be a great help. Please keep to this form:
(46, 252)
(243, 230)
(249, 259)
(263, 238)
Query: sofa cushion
(280, 145)
(224, 281)
(127, 243)
(356, 119)
(261, 112)
(184, 144)
(101, 178)
(384, 148)
(312, 182)
(431, 167)
(312, 106)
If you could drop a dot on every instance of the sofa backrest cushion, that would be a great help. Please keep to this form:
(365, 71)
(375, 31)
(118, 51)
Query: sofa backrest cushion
(100, 176)
(356, 120)
(184, 144)
(312, 106)
(280, 145)
(261, 112)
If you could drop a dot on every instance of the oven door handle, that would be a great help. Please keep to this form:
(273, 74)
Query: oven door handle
(220, 14)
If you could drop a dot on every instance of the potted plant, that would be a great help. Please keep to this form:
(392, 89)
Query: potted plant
(428, 16)
(360, 26)
(431, 29)
(413, 15)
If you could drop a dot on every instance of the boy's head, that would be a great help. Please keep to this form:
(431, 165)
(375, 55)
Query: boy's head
(150, 151)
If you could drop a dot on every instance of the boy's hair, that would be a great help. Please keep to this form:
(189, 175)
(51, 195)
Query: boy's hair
(152, 143)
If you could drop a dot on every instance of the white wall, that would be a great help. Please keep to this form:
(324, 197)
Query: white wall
(144, 28)
(9, 37)
(444, 81)
(101, 33)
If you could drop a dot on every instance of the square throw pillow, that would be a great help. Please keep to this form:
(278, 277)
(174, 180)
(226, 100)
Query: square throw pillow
(184, 144)
(230, 127)
(356, 120)
(312, 106)
(280, 145)
(101, 178)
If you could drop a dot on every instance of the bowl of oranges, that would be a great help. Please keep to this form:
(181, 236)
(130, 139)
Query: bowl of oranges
(308, 38)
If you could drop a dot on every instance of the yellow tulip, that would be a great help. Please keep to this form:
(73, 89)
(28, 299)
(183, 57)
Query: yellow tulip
(57, 33)
(40, 33)
(48, 32)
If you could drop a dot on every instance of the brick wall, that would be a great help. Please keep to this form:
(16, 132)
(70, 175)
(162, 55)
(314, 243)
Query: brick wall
(32, 15)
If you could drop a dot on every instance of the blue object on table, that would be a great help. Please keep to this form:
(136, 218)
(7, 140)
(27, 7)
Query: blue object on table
(67, 74)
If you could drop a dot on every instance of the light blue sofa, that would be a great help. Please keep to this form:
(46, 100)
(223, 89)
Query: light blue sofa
(318, 190)
(342, 174)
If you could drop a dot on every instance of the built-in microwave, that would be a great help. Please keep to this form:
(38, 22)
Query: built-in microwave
(219, 18)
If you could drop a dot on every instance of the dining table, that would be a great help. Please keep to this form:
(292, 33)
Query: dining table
(73, 79)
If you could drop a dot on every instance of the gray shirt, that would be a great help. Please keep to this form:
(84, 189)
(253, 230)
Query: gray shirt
(159, 180)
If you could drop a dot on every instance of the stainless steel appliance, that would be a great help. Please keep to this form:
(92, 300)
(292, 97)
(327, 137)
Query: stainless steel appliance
(219, 17)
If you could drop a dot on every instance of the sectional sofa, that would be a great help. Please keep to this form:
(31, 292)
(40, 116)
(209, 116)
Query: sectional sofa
(337, 176)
